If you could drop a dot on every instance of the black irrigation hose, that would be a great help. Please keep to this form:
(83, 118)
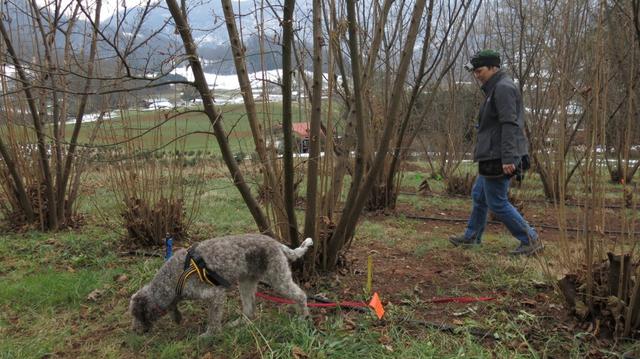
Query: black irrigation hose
(545, 226)
(534, 200)
(142, 253)
(453, 329)
(320, 299)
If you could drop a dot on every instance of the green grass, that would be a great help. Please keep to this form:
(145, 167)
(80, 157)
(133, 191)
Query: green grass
(371, 231)
(135, 123)
(47, 277)
(46, 312)
(49, 289)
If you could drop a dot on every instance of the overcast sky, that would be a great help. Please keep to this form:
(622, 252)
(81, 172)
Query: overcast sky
(109, 7)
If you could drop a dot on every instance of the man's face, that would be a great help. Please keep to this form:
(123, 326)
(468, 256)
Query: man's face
(484, 73)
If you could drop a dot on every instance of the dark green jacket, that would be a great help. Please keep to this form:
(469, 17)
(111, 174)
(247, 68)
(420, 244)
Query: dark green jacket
(501, 122)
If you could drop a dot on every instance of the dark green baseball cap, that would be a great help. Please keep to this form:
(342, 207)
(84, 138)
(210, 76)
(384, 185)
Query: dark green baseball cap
(483, 58)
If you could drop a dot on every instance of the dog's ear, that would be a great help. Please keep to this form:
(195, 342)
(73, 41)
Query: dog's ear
(140, 311)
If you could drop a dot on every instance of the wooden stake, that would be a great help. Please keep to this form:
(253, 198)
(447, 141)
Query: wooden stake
(369, 274)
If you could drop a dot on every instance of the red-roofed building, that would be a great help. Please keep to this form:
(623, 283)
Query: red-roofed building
(300, 135)
(301, 129)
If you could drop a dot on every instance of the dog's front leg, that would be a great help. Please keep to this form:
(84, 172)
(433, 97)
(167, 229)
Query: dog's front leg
(248, 298)
(216, 311)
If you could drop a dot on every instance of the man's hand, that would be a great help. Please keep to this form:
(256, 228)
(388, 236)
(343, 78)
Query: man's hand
(509, 168)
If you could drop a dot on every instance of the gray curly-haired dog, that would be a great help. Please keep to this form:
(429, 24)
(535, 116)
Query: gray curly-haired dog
(243, 259)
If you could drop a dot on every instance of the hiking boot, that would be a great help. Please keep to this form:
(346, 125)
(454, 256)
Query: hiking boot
(461, 240)
(529, 249)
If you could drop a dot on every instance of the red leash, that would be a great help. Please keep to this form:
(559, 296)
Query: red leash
(348, 304)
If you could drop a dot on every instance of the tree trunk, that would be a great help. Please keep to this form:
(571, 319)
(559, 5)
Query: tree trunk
(73, 142)
(310, 227)
(18, 186)
(271, 183)
(357, 113)
(52, 222)
(348, 221)
(287, 68)
(216, 118)
(425, 74)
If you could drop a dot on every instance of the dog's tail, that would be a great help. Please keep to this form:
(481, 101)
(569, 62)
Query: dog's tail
(295, 254)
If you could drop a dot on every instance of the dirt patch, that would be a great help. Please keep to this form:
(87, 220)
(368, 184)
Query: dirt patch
(408, 281)
(411, 278)
(401, 277)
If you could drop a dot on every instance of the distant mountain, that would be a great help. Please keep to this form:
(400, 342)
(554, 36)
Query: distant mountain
(209, 31)
(156, 42)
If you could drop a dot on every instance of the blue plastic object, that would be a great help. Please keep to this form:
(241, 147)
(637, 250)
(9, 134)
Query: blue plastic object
(168, 242)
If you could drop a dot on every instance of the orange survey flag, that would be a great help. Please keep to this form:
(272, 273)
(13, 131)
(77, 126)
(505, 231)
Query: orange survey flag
(376, 304)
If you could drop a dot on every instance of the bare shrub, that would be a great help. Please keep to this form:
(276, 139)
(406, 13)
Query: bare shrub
(152, 195)
(602, 289)
(34, 191)
(460, 184)
(617, 176)
(627, 194)
(611, 295)
(147, 223)
(381, 197)
(424, 188)
(156, 193)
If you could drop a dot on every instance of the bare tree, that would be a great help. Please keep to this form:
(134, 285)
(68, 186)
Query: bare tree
(310, 227)
(357, 114)
(356, 201)
(444, 41)
(281, 202)
(446, 135)
(539, 64)
(40, 81)
(622, 99)
(200, 82)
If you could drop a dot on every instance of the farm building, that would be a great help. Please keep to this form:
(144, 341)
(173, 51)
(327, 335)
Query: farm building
(301, 139)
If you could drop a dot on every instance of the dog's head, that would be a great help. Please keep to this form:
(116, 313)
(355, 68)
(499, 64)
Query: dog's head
(144, 312)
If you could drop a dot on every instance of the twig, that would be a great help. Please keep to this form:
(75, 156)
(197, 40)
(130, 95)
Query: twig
(141, 253)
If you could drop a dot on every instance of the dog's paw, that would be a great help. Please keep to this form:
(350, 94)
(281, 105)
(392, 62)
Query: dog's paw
(210, 332)
(307, 243)
(236, 322)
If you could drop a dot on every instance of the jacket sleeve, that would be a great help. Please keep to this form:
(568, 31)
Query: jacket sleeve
(506, 101)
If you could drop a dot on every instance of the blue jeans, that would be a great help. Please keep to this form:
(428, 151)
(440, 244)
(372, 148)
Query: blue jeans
(492, 194)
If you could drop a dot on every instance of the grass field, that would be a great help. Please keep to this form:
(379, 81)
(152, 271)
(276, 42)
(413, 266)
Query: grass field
(66, 294)
(190, 125)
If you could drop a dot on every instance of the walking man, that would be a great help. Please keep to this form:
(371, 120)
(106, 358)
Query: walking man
(500, 149)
